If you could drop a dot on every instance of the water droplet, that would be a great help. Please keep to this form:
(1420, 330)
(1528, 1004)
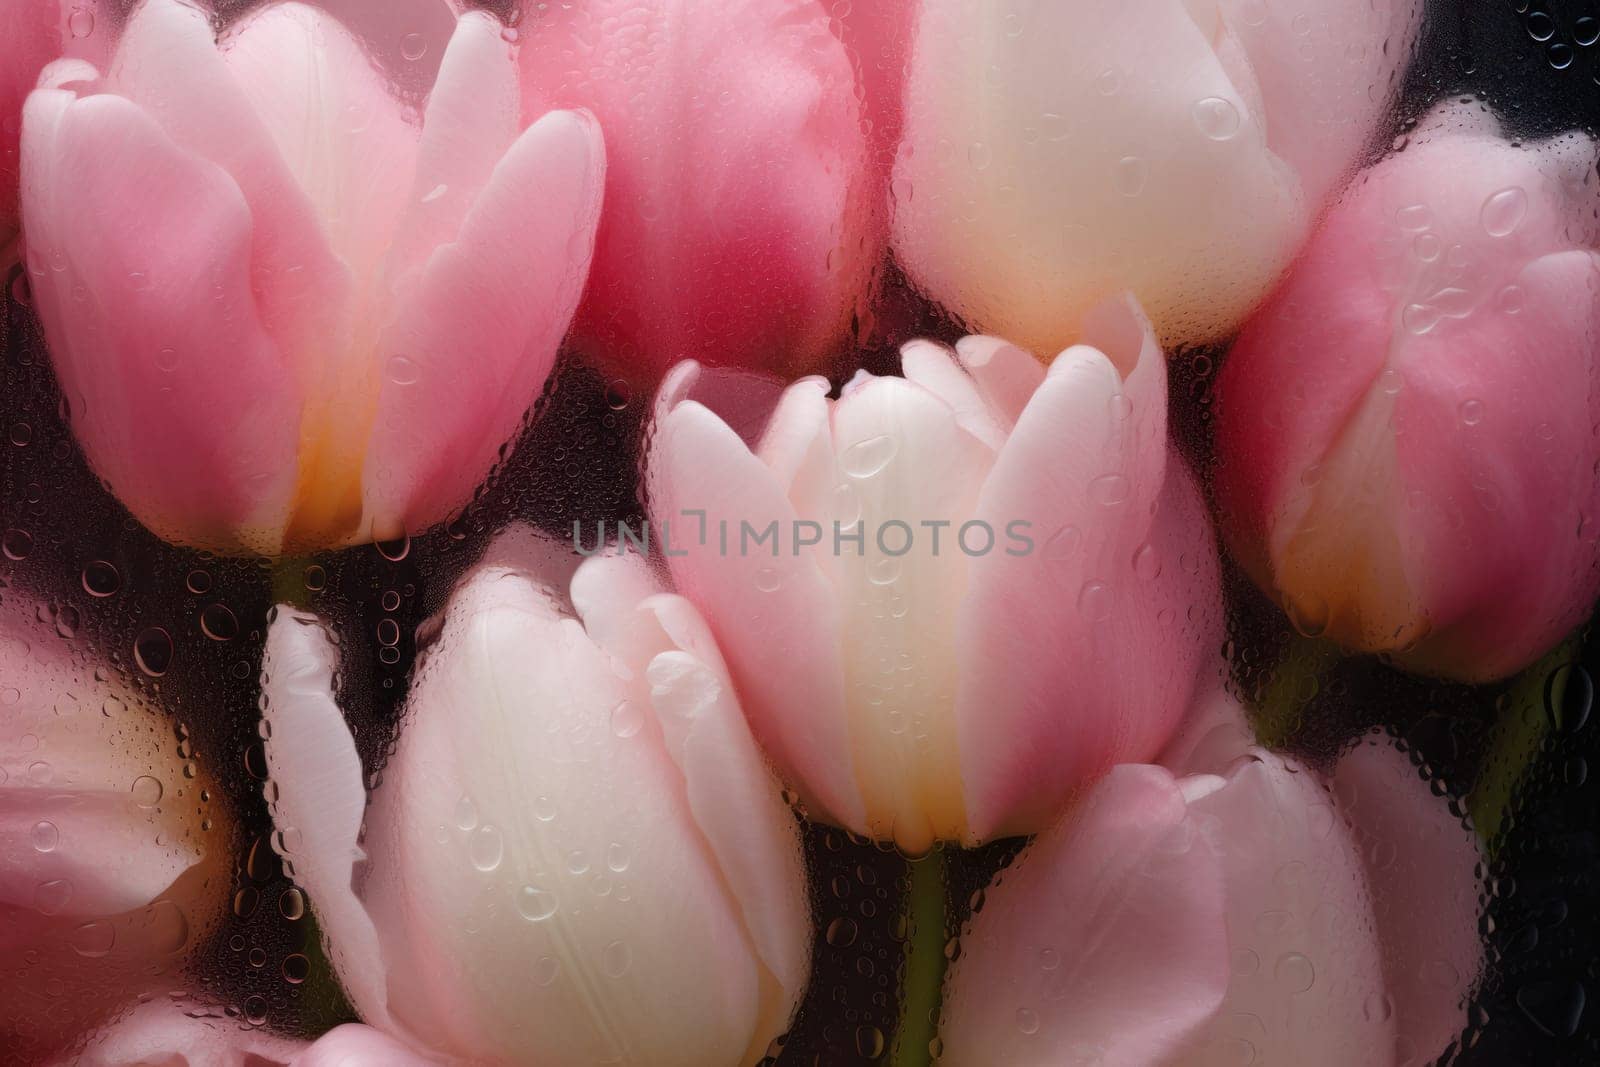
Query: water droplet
(1510, 300)
(979, 156)
(167, 360)
(146, 791)
(1586, 31)
(1095, 601)
(869, 1042)
(80, 23)
(1216, 118)
(403, 371)
(619, 394)
(152, 651)
(486, 848)
(768, 579)
(218, 622)
(1427, 246)
(1109, 490)
(616, 959)
(885, 570)
(1132, 174)
(51, 898)
(100, 579)
(1504, 211)
(394, 550)
(296, 968)
(413, 47)
(1471, 412)
(1027, 1021)
(1147, 563)
(292, 904)
(16, 544)
(866, 458)
(1295, 973)
(535, 904)
(544, 808)
(627, 719)
(617, 857)
(1420, 318)
(94, 939)
(45, 837)
(198, 582)
(1414, 218)
(1063, 543)
(466, 814)
(1309, 614)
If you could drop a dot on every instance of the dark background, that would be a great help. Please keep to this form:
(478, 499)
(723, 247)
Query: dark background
(1537, 64)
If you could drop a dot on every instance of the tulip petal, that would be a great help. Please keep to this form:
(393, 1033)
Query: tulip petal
(29, 39)
(1056, 689)
(737, 221)
(530, 846)
(736, 802)
(1328, 70)
(1422, 866)
(472, 118)
(933, 367)
(498, 300)
(900, 643)
(699, 465)
(1105, 939)
(1006, 375)
(1306, 961)
(1113, 147)
(172, 1035)
(167, 62)
(136, 305)
(316, 777)
(336, 125)
(354, 1045)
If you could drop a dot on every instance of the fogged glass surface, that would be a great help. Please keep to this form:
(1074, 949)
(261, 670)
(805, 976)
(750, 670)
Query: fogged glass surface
(145, 658)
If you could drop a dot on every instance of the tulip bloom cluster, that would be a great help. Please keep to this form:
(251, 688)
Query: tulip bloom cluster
(303, 280)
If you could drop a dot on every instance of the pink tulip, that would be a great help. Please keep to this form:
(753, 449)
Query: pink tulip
(1229, 911)
(322, 321)
(176, 1034)
(111, 869)
(575, 854)
(1056, 153)
(32, 33)
(917, 681)
(1407, 432)
(737, 227)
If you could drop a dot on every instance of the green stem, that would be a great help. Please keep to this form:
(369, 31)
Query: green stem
(926, 934)
(1298, 675)
(1518, 736)
(290, 584)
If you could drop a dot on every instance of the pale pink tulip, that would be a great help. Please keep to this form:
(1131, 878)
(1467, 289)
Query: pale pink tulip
(1231, 910)
(284, 314)
(113, 856)
(172, 1033)
(923, 682)
(738, 220)
(1056, 153)
(575, 854)
(1407, 432)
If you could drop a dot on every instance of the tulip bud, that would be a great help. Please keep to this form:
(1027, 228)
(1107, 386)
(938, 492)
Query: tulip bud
(108, 873)
(1225, 911)
(738, 222)
(1057, 153)
(948, 599)
(1406, 433)
(575, 853)
(301, 245)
